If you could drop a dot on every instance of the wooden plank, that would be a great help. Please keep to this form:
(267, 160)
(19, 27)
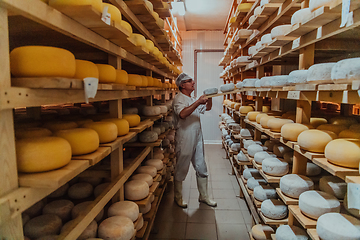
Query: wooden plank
(290, 144)
(287, 200)
(142, 126)
(270, 221)
(313, 234)
(94, 157)
(140, 144)
(222, 94)
(352, 179)
(256, 202)
(306, 222)
(141, 232)
(268, 178)
(274, 135)
(307, 154)
(119, 141)
(54, 178)
(335, 170)
(145, 201)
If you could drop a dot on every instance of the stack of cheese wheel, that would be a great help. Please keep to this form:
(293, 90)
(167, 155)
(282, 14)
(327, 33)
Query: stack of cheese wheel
(86, 69)
(157, 163)
(274, 209)
(144, 177)
(292, 185)
(316, 203)
(133, 119)
(107, 131)
(151, 170)
(336, 149)
(285, 232)
(315, 140)
(261, 232)
(107, 73)
(116, 227)
(136, 190)
(334, 226)
(124, 208)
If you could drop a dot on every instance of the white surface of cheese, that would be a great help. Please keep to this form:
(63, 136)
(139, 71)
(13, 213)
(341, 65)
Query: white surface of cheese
(315, 4)
(251, 172)
(293, 185)
(279, 149)
(286, 232)
(316, 203)
(275, 167)
(253, 182)
(320, 73)
(265, 81)
(312, 169)
(335, 226)
(275, 124)
(249, 82)
(148, 136)
(298, 77)
(258, 10)
(210, 91)
(151, 170)
(280, 31)
(260, 156)
(301, 16)
(258, 83)
(136, 190)
(274, 209)
(252, 50)
(242, 157)
(279, 81)
(253, 149)
(263, 193)
(239, 85)
(252, 19)
(346, 70)
(157, 163)
(227, 87)
(266, 39)
(151, 110)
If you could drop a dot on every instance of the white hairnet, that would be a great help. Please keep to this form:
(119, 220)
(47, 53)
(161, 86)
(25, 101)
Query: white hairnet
(182, 77)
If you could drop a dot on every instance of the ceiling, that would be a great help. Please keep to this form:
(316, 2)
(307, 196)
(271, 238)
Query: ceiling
(204, 15)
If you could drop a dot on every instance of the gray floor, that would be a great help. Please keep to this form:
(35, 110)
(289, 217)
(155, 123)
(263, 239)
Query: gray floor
(228, 221)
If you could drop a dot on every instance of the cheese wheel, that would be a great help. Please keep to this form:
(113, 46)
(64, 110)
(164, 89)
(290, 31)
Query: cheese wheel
(151, 170)
(260, 156)
(35, 209)
(163, 110)
(124, 208)
(286, 232)
(121, 124)
(114, 12)
(127, 26)
(97, 4)
(116, 227)
(148, 137)
(315, 4)
(336, 149)
(258, 83)
(149, 5)
(144, 177)
(251, 172)
(81, 208)
(140, 223)
(139, 39)
(144, 82)
(89, 232)
(80, 190)
(279, 150)
(121, 77)
(33, 154)
(275, 124)
(261, 232)
(47, 224)
(253, 182)
(292, 185)
(149, 46)
(107, 131)
(265, 81)
(59, 125)
(249, 82)
(253, 149)
(258, 10)
(279, 81)
(241, 157)
(346, 70)
(347, 133)
(316, 203)
(61, 191)
(85, 69)
(334, 226)
(32, 132)
(100, 188)
(145, 209)
(133, 119)
(315, 122)
(334, 186)
(312, 169)
(280, 31)
(298, 77)
(134, 80)
(264, 121)
(227, 87)
(131, 110)
(332, 127)
(275, 167)
(259, 116)
(136, 190)
(62, 208)
(274, 209)
(252, 50)
(246, 132)
(320, 73)
(252, 115)
(245, 109)
(157, 163)
(210, 91)
(244, 7)
(291, 131)
(94, 181)
(159, 155)
(39, 61)
(340, 120)
(235, 147)
(258, 45)
(263, 193)
(301, 16)
(314, 140)
(107, 73)
(151, 110)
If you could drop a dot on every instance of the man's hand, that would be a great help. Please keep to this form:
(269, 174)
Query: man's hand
(202, 99)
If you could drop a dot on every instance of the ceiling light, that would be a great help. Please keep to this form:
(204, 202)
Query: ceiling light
(178, 7)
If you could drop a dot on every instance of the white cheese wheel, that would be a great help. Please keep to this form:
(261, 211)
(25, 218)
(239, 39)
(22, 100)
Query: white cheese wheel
(80, 190)
(265, 81)
(341, 120)
(151, 110)
(157, 163)
(312, 169)
(266, 39)
(82, 140)
(298, 77)
(275, 124)
(227, 87)
(261, 232)
(247, 143)
(239, 85)
(334, 186)
(61, 191)
(252, 50)
(249, 82)
(252, 19)
(133, 119)
(315, 122)
(279, 81)
(279, 150)
(253, 149)
(258, 10)
(259, 116)
(62, 208)
(286, 232)
(274, 209)
(263, 193)
(264, 121)
(122, 125)
(251, 172)
(47, 224)
(159, 155)
(260, 156)
(258, 45)
(258, 83)
(89, 232)
(244, 32)
(100, 188)
(314, 140)
(81, 207)
(148, 137)
(116, 227)
(301, 16)
(334, 226)
(336, 149)
(242, 59)
(280, 31)
(320, 73)
(292, 185)
(291, 131)
(107, 131)
(244, 132)
(263, 2)
(332, 128)
(163, 109)
(140, 223)
(210, 91)
(275, 167)
(245, 109)
(315, 4)
(316, 203)
(124, 208)
(252, 115)
(346, 70)
(151, 170)
(145, 209)
(242, 157)
(235, 147)
(131, 110)
(253, 182)
(136, 190)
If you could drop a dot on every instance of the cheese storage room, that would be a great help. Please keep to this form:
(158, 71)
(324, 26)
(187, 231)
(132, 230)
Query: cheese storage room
(180, 119)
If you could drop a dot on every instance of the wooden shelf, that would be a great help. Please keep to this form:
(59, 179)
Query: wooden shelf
(287, 200)
(257, 166)
(306, 222)
(94, 157)
(142, 126)
(119, 141)
(141, 232)
(256, 202)
(268, 178)
(269, 221)
(313, 234)
(145, 201)
(335, 170)
(140, 144)
(307, 154)
(353, 179)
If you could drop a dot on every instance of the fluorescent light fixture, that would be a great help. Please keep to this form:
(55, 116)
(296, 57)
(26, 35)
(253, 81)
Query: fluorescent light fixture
(178, 7)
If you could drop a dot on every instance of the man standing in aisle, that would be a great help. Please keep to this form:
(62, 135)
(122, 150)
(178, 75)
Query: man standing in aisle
(189, 138)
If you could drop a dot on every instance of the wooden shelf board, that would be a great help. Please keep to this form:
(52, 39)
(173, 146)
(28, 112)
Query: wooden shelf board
(141, 232)
(54, 178)
(257, 166)
(313, 234)
(142, 126)
(352, 179)
(269, 221)
(335, 170)
(145, 201)
(303, 220)
(287, 200)
(290, 144)
(120, 140)
(157, 178)
(94, 157)
(269, 178)
(137, 220)
(222, 94)
(256, 202)
(307, 154)
(274, 135)
(140, 144)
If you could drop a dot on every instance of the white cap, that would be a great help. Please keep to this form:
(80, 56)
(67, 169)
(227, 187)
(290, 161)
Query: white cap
(182, 77)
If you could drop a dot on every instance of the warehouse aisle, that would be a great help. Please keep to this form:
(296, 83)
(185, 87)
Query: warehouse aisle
(228, 221)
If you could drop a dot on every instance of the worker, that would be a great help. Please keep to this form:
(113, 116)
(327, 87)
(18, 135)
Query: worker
(189, 139)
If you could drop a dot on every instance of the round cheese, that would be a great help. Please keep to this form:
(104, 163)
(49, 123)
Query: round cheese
(246, 132)
(139, 39)
(348, 133)
(252, 115)
(134, 80)
(252, 19)
(336, 149)
(35, 209)
(210, 91)
(235, 147)
(89, 232)
(107, 73)
(107, 131)
(264, 121)
(86, 69)
(62, 208)
(249, 82)
(291, 131)
(48, 224)
(151, 110)
(275, 167)
(227, 87)
(33, 154)
(81, 208)
(265, 81)
(253, 149)
(286, 232)
(315, 4)
(32, 132)
(148, 136)
(149, 46)
(247, 143)
(244, 7)
(136, 190)
(127, 26)
(316, 203)
(80, 190)
(332, 128)
(314, 140)
(116, 227)
(242, 157)
(144, 82)
(157, 163)
(261, 232)
(121, 77)
(265, 39)
(145, 209)
(133, 119)
(334, 186)
(264, 192)
(259, 116)
(159, 155)
(275, 124)
(163, 109)
(292, 185)
(253, 182)
(315, 122)
(252, 50)
(151, 170)
(280, 31)
(124, 208)
(61, 191)
(298, 76)
(94, 181)
(274, 209)
(100, 188)
(279, 150)
(320, 73)
(143, 176)
(258, 10)
(97, 4)
(346, 70)
(334, 226)
(251, 172)
(260, 156)
(340, 120)
(40, 61)
(140, 223)
(301, 16)
(114, 12)
(245, 109)
(59, 125)
(312, 169)
(121, 124)
(258, 45)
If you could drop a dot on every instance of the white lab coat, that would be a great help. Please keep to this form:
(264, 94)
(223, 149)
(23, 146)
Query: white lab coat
(189, 139)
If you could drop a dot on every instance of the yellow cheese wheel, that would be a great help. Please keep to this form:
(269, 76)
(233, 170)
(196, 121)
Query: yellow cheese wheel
(259, 116)
(107, 131)
(232, 105)
(237, 106)
(107, 73)
(39, 61)
(332, 127)
(264, 121)
(97, 4)
(348, 133)
(32, 132)
(149, 5)
(82, 140)
(252, 115)
(42, 154)
(344, 152)
(317, 121)
(315, 140)
(244, 7)
(58, 125)
(133, 119)
(121, 77)
(265, 109)
(155, 15)
(122, 125)
(144, 81)
(150, 81)
(291, 131)
(341, 120)
(245, 109)
(85, 69)
(232, 20)
(139, 40)
(156, 51)
(275, 124)
(127, 26)
(149, 45)
(134, 80)
(114, 12)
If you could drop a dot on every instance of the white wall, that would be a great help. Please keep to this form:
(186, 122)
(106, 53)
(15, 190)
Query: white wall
(208, 71)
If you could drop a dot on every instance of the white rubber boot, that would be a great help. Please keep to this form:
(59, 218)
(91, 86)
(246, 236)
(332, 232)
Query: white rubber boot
(178, 194)
(202, 184)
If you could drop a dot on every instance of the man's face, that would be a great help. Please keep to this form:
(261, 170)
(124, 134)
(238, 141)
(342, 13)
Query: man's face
(188, 85)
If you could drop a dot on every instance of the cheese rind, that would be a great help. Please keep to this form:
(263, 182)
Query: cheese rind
(320, 73)
(293, 185)
(280, 31)
(314, 140)
(298, 77)
(148, 136)
(312, 169)
(121, 124)
(332, 128)
(157, 163)
(260, 156)
(97, 4)
(32, 132)
(253, 182)
(143, 176)
(134, 80)
(210, 91)
(334, 226)
(121, 77)
(86, 69)
(251, 172)
(291, 131)
(82, 140)
(124, 208)
(47, 224)
(227, 87)
(346, 70)
(336, 149)
(116, 227)
(136, 190)
(316, 203)
(301, 16)
(151, 170)
(286, 232)
(275, 167)
(107, 131)
(107, 73)
(274, 209)
(275, 124)
(133, 119)
(253, 149)
(151, 110)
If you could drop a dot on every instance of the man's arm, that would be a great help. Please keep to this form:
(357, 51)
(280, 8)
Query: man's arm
(190, 109)
(209, 104)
